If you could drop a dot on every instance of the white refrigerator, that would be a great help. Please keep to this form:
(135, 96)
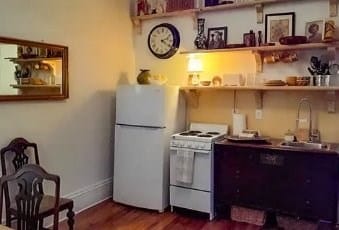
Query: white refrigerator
(146, 117)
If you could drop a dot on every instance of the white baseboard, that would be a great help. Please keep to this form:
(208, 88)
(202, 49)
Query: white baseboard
(90, 195)
(87, 197)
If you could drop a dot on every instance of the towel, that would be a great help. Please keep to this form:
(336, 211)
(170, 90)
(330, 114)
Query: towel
(184, 166)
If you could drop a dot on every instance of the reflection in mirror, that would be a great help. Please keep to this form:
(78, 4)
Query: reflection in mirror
(32, 70)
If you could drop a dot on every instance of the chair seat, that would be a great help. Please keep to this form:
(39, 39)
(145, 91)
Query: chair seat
(47, 205)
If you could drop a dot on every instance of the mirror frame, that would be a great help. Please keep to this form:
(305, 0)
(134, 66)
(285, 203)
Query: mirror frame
(65, 85)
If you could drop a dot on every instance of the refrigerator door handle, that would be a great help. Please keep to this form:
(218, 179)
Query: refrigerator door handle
(140, 126)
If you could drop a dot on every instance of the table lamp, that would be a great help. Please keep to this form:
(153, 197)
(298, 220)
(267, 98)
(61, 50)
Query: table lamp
(193, 68)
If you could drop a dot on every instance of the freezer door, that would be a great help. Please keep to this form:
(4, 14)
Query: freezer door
(141, 105)
(139, 167)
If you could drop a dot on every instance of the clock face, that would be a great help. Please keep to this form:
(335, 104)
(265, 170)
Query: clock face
(164, 40)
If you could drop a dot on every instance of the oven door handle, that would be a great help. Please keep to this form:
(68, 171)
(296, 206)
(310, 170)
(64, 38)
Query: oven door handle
(195, 150)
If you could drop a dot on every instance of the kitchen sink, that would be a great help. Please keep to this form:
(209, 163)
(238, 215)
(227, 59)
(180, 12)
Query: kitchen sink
(303, 145)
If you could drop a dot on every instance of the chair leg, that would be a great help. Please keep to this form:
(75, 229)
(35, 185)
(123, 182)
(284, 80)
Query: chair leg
(70, 216)
(8, 219)
(41, 224)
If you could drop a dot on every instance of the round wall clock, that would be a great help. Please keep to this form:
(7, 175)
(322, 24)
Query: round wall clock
(164, 40)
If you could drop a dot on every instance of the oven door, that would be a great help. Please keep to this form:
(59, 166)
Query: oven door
(201, 170)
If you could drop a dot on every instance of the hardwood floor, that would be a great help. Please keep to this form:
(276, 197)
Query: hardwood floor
(109, 215)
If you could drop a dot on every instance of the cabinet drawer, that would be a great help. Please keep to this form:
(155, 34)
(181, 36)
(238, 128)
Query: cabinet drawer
(190, 199)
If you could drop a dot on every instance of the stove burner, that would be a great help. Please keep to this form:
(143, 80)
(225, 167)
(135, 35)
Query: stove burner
(193, 131)
(213, 133)
(188, 134)
(204, 135)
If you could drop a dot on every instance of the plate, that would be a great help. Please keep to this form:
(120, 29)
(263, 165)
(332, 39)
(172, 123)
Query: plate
(261, 139)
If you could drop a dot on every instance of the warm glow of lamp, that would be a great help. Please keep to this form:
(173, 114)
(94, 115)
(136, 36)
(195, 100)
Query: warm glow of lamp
(194, 67)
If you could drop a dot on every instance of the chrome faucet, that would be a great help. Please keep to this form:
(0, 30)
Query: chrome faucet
(307, 102)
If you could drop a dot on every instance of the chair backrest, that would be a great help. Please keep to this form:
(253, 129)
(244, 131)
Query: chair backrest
(29, 179)
(18, 147)
(16, 152)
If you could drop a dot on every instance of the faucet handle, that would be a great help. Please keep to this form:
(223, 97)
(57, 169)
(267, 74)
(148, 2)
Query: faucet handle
(315, 135)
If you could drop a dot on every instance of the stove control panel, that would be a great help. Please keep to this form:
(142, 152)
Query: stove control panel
(191, 144)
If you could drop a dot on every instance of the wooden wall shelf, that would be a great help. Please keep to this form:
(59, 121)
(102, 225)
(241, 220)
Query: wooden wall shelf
(258, 4)
(268, 48)
(192, 93)
(263, 88)
(260, 50)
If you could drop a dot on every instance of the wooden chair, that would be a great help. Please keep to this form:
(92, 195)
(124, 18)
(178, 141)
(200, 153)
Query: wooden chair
(29, 179)
(17, 154)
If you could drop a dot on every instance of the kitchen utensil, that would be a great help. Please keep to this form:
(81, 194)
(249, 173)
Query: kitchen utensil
(315, 63)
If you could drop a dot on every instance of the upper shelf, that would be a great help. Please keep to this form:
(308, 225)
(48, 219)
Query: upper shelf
(258, 4)
(268, 48)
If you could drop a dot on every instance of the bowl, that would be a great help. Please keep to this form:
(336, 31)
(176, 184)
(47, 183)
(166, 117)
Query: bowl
(291, 80)
(205, 83)
(303, 81)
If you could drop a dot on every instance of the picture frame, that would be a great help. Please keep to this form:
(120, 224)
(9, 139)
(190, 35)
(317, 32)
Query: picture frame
(249, 39)
(314, 31)
(217, 37)
(279, 25)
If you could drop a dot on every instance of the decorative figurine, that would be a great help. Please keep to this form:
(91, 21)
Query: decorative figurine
(201, 40)
(259, 38)
(252, 38)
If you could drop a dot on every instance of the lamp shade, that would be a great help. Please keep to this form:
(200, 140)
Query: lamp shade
(194, 65)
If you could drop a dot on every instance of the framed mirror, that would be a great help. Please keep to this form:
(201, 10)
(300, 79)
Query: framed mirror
(32, 70)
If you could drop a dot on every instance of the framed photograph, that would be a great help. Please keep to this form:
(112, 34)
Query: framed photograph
(279, 25)
(314, 31)
(249, 39)
(217, 37)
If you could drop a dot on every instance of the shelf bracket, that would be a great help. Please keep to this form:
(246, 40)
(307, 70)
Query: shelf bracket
(137, 25)
(258, 61)
(192, 97)
(331, 101)
(260, 15)
(333, 8)
(259, 96)
(195, 20)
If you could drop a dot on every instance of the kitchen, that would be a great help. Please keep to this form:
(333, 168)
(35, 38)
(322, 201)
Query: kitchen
(90, 102)
(279, 108)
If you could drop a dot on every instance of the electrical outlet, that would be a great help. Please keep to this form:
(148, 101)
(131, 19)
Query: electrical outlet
(331, 106)
(258, 114)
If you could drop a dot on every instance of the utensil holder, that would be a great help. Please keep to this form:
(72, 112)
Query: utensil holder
(322, 80)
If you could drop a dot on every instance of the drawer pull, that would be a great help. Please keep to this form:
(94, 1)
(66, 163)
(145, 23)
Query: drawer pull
(271, 159)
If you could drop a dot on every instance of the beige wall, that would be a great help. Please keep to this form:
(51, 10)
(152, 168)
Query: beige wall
(74, 136)
(280, 108)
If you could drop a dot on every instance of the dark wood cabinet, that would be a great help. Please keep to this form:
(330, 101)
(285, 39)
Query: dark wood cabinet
(296, 183)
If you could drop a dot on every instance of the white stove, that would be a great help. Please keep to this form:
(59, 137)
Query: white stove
(198, 140)
(200, 136)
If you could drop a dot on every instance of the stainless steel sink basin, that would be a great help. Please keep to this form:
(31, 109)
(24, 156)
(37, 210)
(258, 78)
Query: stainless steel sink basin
(303, 145)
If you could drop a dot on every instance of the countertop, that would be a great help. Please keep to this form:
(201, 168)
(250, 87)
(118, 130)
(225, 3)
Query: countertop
(274, 144)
